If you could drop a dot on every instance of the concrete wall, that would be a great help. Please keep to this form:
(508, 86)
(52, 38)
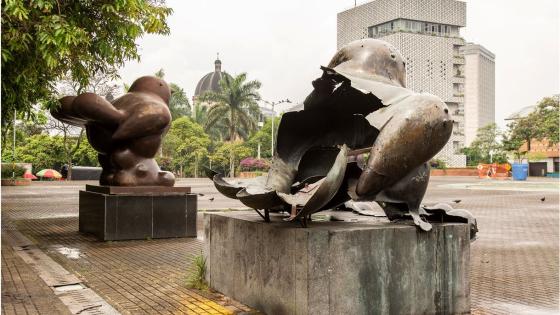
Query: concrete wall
(338, 267)
(479, 89)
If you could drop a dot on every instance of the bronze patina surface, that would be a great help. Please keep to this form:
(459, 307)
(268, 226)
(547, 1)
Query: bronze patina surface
(126, 132)
(360, 109)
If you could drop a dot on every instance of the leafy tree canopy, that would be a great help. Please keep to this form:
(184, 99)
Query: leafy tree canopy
(234, 105)
(179, 104)
(486, 148)
(228, 154)
(44, 40)
(186, 144)
(263, 136)
(540, 124)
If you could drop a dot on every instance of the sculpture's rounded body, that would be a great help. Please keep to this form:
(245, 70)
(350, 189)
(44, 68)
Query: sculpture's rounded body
(126, 132)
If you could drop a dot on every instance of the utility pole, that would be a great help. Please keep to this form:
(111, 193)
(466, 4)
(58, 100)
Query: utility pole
(272, 132)
(14, 146)
(274, 116)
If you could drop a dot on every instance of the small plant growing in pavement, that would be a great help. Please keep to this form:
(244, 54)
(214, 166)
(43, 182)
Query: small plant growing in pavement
(197, 276)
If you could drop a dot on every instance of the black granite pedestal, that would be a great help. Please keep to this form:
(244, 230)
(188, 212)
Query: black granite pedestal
(133, 213)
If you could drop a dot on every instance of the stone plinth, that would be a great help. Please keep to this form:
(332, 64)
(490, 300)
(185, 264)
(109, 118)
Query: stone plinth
(126, 213)
(338, 267)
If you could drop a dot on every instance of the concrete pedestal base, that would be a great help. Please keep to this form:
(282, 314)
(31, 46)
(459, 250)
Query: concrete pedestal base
(126, 213)
(338, 267)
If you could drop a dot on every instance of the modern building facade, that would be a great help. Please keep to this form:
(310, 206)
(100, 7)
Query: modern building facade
(480, 84)
(426, 32)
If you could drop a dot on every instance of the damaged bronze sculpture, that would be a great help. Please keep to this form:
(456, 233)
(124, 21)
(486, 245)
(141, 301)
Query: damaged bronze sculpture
(359, 109)
(126, 132)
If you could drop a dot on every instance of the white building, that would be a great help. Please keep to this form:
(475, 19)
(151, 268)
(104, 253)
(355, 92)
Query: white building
(480, 84)
(426, 32)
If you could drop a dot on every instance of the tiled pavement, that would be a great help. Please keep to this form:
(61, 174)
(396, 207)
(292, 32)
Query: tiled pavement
(23, 292)
(514, 262)
(136, 277)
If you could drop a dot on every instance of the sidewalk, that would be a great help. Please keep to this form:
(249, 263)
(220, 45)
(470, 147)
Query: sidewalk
(23, 292)
(134, 277)
(514, 261)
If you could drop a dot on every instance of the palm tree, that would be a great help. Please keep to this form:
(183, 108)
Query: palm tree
(199, 113)
(234, 105)
(179, 105)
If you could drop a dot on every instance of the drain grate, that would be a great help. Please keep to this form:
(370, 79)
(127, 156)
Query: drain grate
(85, 301)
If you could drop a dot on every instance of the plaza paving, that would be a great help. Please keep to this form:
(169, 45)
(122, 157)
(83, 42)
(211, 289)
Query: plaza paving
(514, 261)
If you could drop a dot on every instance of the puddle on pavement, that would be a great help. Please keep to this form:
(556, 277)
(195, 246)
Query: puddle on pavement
(68, 252)
(70, 287)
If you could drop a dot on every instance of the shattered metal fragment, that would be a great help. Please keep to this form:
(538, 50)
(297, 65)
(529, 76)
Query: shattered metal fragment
(359, 110)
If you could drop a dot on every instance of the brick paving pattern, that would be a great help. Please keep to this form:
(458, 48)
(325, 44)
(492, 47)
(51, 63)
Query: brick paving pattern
(23, 292)
(514, 261)
(136, 277)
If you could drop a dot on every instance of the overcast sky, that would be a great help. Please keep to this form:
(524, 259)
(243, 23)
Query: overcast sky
(283, 43)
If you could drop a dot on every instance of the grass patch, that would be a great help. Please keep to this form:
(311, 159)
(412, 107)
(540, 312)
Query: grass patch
(197, 277)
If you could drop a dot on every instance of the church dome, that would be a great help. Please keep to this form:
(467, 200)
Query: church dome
(210, 82)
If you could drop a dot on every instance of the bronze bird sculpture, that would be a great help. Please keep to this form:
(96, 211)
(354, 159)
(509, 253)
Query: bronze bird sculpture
(126, 132)
(359, 106)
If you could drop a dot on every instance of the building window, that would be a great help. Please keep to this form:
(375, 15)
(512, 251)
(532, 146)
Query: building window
(412, 26)
(456, 146)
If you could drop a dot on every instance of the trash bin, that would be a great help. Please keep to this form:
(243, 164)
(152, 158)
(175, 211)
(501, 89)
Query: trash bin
(519, 171)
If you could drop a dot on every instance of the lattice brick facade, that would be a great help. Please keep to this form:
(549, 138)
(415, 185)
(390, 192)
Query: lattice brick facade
(352, 24)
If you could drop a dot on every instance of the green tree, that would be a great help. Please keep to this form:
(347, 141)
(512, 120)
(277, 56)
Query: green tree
(186, 144)
(486, 148)
(541, 124)
(179, 104)
(235, 104)
(35, 125)
(72, 137)
(45, 40)
(522, 130)
(200, 113)
(548, 114)
(85, 155)
(42, 150)
(228, 154)
(263, 136)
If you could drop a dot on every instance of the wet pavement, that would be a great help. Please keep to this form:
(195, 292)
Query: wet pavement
(514, 261)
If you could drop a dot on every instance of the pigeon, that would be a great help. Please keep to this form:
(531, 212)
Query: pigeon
(543, 199)
(457, 200)
(200, 194)
(211, 199)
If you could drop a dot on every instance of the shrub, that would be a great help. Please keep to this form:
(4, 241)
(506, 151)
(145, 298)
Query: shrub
(12, 171)
(251, 164)
(197, 277)
(437, 163)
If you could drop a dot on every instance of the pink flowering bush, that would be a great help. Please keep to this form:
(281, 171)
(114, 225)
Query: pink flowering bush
(251, 164)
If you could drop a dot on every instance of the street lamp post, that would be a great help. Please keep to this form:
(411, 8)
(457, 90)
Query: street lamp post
(274, 116)
(14, 147)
